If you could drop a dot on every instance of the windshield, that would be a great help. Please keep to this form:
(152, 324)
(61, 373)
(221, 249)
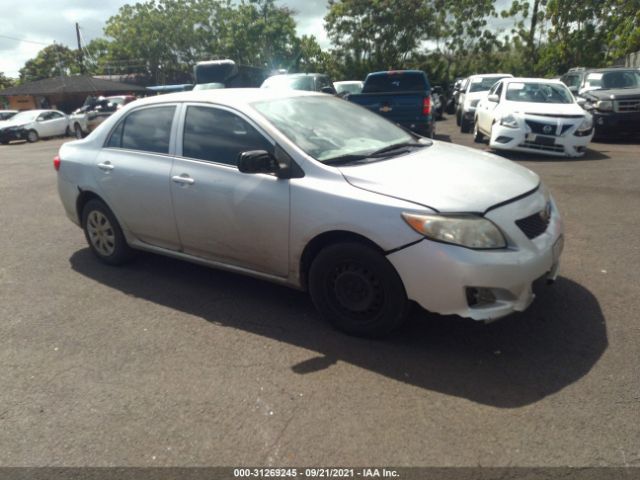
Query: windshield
(293, 83)
(535, 92)
(482, 84)
(327, 127)
(28, 116)
(611, 80)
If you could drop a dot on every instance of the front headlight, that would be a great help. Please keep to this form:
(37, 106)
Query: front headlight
(509, 120)
(585, 126)
(604, 105)
(469, 231)
(474, 103)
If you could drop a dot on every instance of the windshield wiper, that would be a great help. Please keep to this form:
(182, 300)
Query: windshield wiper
(373, 156)
(345, 159)
(396, 146)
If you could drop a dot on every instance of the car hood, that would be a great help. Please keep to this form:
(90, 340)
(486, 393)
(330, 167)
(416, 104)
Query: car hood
(445, 178)
(613, 94)
(535, 108)
(12, 123)
(475, 95)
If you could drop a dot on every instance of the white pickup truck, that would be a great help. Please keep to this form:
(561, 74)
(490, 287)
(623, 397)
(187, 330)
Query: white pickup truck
(94, 111)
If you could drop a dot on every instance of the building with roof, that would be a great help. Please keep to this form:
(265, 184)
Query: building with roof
(63, 93)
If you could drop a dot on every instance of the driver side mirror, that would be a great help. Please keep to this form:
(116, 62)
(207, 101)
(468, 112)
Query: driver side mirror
(493, 98)
(329, 90)
(257, 161)
(581, 101)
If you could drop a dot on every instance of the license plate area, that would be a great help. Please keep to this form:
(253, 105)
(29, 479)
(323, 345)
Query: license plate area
(540, 139)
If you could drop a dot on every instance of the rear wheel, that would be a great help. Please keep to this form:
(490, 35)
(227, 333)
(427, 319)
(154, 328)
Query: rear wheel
(356, 289)
(478, 137)
(103, 233)
(465, 127)
(32, 136)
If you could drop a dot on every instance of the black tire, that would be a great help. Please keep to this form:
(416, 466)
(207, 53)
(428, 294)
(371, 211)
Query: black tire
(77, 131)
(103, 234)
(464, 126)
(478, 137)
(357, 290)
(458, 117)
(32, 136)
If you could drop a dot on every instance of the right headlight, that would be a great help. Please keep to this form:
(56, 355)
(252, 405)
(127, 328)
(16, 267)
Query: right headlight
(469, 231)
(604, 105)
(509, 120)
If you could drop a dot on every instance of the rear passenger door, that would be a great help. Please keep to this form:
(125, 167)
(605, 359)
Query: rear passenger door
(132, 171)
(222, 214)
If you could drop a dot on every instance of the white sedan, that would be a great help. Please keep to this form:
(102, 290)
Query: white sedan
(533, 115)
(32, 125)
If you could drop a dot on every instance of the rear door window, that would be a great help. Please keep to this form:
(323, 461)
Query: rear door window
(148, 130)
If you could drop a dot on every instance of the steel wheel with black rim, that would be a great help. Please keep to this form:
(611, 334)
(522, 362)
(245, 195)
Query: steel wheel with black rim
(104, 234)
(356, 289)
(32, 136)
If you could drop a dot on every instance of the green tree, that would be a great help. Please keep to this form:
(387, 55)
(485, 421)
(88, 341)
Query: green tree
(376, 34)
(622, 27)
(50, 61)
(5, 82)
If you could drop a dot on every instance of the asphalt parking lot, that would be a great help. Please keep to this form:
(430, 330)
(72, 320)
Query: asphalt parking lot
(167, 363)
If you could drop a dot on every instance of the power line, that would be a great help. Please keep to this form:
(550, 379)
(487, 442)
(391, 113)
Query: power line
(23, 40)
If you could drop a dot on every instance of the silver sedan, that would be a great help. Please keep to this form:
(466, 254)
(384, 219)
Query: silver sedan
(318, 194)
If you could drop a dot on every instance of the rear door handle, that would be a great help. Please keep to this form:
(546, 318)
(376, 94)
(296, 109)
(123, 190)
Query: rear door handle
(183, 179)
(106, 166)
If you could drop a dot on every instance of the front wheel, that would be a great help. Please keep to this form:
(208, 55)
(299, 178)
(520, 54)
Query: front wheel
(357, 290)
(464, 125)
(77, 131)
(103, 233)
(32, 136)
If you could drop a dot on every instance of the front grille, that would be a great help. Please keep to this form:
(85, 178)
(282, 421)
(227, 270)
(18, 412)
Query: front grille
(628, 105)
(536, 224)
(539, 146)
(542, 127)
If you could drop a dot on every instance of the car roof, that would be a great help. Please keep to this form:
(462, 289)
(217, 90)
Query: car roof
(489, 75)
(227, 96)
(532, 80)
(299, 75)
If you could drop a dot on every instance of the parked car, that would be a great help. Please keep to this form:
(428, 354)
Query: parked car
(311, 82)
(454, 94)
(7, 114)
(316, 193)
(474, 89)
(32, 125)
(611, 95)
(85, 119)
(533, 115)
(438, 100)
(402, 96)
(347, 87)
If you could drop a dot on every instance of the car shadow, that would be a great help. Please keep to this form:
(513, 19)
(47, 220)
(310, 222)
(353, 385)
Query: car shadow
(507, 364)
(590, 155)
(442, 137)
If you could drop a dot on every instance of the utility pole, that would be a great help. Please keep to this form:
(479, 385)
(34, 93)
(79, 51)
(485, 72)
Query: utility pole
(80, 54)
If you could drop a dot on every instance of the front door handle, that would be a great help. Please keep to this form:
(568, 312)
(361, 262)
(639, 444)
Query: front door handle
(183, 179)
(106, 166)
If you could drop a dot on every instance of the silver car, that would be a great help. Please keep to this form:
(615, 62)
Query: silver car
(318, 194)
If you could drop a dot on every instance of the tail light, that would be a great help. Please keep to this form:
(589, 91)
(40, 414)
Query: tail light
(56, 162)
(426, 106)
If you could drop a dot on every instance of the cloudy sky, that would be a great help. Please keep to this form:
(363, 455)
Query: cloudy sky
(35, 24)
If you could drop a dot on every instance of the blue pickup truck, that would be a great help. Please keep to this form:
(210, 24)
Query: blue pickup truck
(402, 96)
